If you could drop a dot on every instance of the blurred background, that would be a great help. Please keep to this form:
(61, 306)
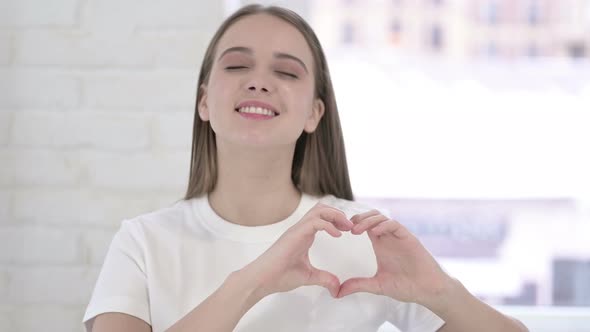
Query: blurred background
(468, 121)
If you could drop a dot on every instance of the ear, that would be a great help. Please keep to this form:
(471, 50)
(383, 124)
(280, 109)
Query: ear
(315, 116)
(202, 104)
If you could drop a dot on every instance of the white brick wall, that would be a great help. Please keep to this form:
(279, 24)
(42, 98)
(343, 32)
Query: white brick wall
(84, 207)
(65, 47)
(31, 245)
(40, 318)
(5, 47)
(5, 206)
(173, 130)
(141, 90)
(96, 111)
(31, 13)
(95, 130)
(38, 167)
(5, 124)
(50, 284)
(23, 87)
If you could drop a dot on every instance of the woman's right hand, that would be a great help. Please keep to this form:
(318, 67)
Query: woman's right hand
(286, 266)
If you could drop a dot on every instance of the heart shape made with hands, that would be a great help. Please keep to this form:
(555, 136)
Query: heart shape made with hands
(355, 256)
(380, 256)
(346, 257)
(405, 270)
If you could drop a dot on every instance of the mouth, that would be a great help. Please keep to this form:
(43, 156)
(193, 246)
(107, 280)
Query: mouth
(256, 110)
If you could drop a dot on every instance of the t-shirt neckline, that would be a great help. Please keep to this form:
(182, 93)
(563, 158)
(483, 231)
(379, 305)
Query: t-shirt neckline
(249, 234)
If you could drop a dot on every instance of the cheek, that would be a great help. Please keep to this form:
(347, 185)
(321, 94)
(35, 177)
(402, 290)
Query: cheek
(302, 100)
(218, 94)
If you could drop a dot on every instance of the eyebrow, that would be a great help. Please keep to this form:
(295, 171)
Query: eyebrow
(278, 55)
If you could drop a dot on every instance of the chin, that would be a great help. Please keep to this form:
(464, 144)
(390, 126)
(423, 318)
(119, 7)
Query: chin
(263, 139)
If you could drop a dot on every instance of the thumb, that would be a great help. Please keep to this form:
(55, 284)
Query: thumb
(355, 285)
(324, 279)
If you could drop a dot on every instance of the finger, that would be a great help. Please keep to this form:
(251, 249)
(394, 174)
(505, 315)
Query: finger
(368, 223)
(356, 285)
(322, 225)
(336, 217)
(324, 279)
(359, 217)
(390, 227)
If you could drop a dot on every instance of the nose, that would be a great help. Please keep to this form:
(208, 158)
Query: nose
(259, 82)
(254, 88)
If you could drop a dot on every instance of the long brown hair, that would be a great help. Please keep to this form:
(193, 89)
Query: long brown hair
(319, 162)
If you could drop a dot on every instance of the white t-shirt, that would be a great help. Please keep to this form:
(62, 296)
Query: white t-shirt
(161, 265)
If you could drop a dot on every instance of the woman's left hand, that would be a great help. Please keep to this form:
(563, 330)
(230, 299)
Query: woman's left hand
(406, 271)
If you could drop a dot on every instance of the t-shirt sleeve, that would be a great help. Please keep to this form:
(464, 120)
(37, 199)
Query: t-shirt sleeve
(122, 283)
(412, 317)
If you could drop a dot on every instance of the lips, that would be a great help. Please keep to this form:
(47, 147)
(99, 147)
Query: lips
(257, 103)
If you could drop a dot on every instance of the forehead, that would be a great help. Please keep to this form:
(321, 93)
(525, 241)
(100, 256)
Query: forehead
(266, 34)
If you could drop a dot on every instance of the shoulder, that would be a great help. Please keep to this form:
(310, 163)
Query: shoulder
(163, 221)
(350, 208)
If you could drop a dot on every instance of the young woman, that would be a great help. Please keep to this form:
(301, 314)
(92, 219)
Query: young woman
(269, 209)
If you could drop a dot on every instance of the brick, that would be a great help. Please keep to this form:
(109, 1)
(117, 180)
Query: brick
(3, 283)
(5, 125)
(162, 14)
(174, 130)
(30, 13)
(142, 171)
(175, 48)
(78, 206)
(35, 244)
(6, 46)
(99, 16)
(147, 47)
(63, 318)
(39, 167)
(95, 244)
(182, 13)
(81, 130)
(7, 319)
(7, 169)
(27, 88)
(5, 206)
(81, 48)
(57, 285)
(143, 91)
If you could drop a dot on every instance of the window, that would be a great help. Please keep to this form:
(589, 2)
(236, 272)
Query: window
(577, 50)
(570, 282)
(533, 12)
(491, 12)
(532, 50)
(481, 156)
(348, 33)
(396, 31)
(436, 37)
(492, 49)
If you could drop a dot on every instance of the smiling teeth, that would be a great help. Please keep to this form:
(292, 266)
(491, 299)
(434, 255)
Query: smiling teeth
(256, 110)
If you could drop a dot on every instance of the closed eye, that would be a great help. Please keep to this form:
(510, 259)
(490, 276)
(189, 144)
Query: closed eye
(284, 73)
(235, 67)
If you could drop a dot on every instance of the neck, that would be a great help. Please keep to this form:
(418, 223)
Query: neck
(254, 186)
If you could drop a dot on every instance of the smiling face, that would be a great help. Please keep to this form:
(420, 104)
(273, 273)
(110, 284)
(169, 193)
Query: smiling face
(261, 64)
